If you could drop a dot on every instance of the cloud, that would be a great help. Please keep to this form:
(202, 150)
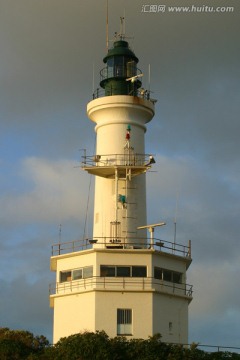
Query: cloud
(207, 210)
(222, 294)
(214, 312)
(53, 192)
(28, 304)
(56, 191)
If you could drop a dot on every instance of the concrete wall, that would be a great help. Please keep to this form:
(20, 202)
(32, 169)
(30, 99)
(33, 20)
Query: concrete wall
(73, 314)
(169, 309)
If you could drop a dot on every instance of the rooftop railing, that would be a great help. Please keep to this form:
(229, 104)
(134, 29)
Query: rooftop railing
(124, 244)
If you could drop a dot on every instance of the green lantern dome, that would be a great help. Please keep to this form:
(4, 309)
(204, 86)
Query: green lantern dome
(121, 76)
(120, 48)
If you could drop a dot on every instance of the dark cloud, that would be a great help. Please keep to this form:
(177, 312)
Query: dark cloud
(26, 306)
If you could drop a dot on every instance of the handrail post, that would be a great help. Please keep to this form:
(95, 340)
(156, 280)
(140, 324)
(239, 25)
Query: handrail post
(190, 247)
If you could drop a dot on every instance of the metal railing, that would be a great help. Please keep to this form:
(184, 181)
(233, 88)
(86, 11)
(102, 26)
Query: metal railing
(119, 71)
(142, 93)
(70, 247)
(120, 284)
(207, 348)
(125, 244)
(130, 159)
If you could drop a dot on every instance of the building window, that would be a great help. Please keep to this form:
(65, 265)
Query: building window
(107, 271)
(170, 327)
(124, 321)
(168, 275)
(139, 271)
(65, 276)
(123, 271)
(76, 274)
(87, 272)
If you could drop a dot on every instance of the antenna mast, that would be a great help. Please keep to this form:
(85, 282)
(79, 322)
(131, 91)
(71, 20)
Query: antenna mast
(93, 79)
(107, 40)
(60, 233)
(122, 28)
(175, 220)
(149, 77)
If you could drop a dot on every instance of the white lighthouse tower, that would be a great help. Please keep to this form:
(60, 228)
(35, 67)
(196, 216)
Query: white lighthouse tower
(122, 280)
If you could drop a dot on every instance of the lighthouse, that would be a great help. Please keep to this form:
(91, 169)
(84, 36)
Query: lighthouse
(123, 280)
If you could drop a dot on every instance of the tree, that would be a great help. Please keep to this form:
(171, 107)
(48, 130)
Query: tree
(23, 345)
(20, 344)
(85, 346)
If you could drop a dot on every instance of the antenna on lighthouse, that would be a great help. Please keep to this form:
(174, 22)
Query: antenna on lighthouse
(93, 78)
(122, 28)
(107, 39)
(60, 232)
(149, 76)
(151, 230)
(175, 220)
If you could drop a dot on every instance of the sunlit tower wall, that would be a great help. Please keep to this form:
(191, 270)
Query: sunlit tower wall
(122, 279)
(120, 162)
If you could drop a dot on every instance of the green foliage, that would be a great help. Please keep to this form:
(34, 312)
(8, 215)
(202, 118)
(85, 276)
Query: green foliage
(19, 344)
(22, 345)
(86, 346)
(223, 356)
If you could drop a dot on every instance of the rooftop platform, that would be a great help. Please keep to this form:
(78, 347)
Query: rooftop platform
(126, 164)
(123, 244)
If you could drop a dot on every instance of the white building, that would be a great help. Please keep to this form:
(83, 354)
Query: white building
(123, 280)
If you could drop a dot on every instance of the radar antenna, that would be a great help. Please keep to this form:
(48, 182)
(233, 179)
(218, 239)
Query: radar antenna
(151, 230)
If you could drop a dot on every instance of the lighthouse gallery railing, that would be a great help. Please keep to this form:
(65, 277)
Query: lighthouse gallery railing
(120, 284)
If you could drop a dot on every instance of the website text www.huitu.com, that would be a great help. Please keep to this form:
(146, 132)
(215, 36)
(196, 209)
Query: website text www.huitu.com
(186, 9)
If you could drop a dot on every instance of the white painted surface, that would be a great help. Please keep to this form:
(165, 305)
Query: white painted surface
(112, 115)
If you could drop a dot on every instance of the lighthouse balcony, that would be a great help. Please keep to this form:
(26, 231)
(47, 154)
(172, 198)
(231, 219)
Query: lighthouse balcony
(115, 284)
(124, 244)
(126, 164)
(141, 93)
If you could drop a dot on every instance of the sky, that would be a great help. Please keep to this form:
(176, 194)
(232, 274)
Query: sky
(51, 52)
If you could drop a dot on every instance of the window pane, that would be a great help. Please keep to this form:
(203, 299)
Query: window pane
(177, 277)
(131, 68)
(110, 67)
(128, 316)
(139, 271)
(119, 316)
(118, 66)
(123, 271)
(107, 270)
(167, 275)
(87, 272)
(124, 321)
(158, 273)
(77, 274)
(65, 276)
